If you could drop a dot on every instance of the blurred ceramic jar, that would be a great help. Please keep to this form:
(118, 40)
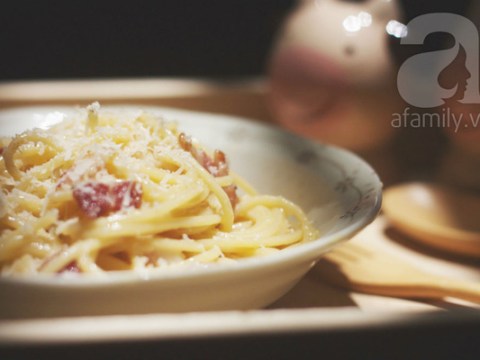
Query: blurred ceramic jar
(461, 165)
(331, 75)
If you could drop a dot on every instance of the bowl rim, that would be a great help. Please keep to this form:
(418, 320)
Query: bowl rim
(308, 251)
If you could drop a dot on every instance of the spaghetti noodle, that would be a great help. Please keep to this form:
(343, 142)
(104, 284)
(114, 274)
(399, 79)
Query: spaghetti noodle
(103, 192)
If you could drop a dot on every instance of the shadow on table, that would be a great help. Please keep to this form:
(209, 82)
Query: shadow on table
(312, 291)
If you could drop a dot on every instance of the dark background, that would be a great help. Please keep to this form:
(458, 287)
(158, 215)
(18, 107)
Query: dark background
(106, 38)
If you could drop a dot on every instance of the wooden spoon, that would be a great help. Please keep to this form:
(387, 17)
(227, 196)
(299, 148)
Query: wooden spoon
(436, 215)
(361, 268)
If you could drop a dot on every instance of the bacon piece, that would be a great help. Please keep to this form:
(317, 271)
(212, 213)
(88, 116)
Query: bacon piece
(93, 199)
(126, 194)
(218, 166)
(1, 151)
(231, 191)
(71, 267)
(96, 199)
(185, 142)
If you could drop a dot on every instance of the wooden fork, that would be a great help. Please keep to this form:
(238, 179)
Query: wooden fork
(357, 267)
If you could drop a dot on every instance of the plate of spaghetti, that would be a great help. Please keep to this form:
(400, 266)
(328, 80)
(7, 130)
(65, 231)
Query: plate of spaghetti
(126, 209)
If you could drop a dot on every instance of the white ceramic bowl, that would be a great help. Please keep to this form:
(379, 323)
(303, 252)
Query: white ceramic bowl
(340, 193)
